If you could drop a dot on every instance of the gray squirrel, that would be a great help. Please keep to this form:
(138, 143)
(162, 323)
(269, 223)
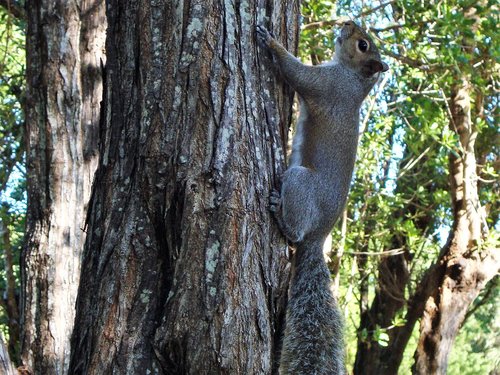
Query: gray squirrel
(315, 186)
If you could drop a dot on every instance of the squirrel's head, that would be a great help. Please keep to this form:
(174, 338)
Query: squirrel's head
(355, 49)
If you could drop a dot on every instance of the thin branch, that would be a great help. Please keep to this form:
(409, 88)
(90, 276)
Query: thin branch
(382, 29)
(399, 26)
(411, 62)
(340, 21)
(373, 10)
(391, 252)
(412, 163)
(323, 24)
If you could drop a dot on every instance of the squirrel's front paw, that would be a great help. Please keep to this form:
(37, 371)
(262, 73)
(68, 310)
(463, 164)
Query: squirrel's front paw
(264, 37)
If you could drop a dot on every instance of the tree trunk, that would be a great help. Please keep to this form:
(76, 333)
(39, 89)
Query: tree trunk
(11, 306)
(467, 263)
(65, 42)
(389, 298)
(6, 366)
(184, 271)
(371, 357)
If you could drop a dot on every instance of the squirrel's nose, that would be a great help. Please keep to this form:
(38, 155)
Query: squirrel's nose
(348, 23)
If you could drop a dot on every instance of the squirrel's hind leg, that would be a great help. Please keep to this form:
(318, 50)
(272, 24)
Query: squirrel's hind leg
(295, 208)
(275, 206)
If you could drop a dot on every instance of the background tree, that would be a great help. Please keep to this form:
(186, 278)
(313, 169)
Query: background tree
(6, 366)
(184, 272)
(64, 50)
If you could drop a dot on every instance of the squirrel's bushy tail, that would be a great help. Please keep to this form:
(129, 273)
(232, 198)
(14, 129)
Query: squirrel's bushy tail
(312, 342)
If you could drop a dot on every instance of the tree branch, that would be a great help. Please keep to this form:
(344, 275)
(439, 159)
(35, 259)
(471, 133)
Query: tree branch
(373, 10)
(382, 29)
(407, 60)
(328, 23)
(341, 20)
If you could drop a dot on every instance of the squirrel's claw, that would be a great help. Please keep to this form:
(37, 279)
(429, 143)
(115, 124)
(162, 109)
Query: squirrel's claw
(264, 37)
(274, 201)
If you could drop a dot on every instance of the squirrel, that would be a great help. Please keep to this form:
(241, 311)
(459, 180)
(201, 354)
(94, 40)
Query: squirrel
(314, 189)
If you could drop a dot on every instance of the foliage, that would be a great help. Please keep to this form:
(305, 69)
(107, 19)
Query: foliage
(12, 179)
(400, 197)
(12, 63)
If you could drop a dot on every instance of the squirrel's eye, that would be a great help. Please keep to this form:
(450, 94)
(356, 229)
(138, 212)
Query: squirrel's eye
(363, 45)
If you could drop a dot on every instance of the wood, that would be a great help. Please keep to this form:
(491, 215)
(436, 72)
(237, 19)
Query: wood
(6, 366)
(65, 41)
(184, 270)
(11, 306)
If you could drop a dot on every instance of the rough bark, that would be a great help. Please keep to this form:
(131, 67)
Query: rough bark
(6, 366)
(184, 271)
(466, 263)
(11, 306)
(65, 42)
